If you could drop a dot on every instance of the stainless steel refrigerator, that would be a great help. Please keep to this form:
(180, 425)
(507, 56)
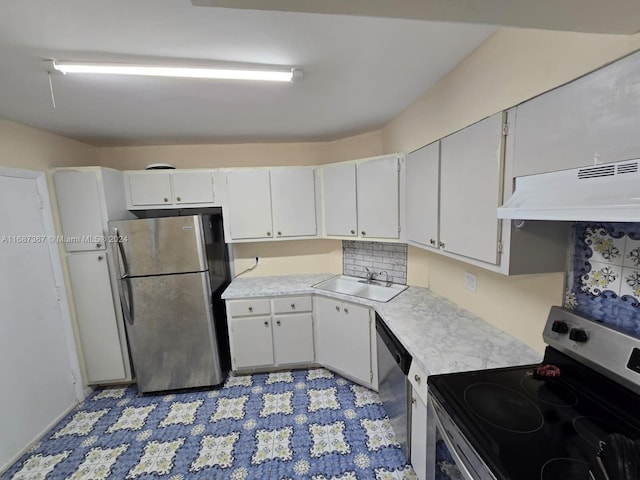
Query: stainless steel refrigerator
(173, 270)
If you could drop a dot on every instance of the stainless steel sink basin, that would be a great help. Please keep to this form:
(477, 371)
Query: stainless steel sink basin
(377, 291)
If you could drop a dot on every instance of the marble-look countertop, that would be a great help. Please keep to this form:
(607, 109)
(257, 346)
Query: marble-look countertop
(440, 336)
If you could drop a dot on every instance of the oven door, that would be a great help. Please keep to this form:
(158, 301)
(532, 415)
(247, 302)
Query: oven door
(441, 425)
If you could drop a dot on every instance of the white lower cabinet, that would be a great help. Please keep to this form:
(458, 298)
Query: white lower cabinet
(419, 437)
(270, 332)
(344, 333)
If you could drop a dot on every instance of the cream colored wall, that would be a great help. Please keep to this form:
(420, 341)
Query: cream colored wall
(509, 68)
(242, 155)
(32, 149)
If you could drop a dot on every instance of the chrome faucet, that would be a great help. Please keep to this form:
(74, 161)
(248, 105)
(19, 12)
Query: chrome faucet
(370, 275)
(387, 283)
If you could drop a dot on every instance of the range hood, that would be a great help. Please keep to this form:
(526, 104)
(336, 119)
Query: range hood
(602, 193)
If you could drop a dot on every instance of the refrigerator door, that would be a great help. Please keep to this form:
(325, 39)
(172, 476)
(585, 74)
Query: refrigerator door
(171, 332)
(156, 246)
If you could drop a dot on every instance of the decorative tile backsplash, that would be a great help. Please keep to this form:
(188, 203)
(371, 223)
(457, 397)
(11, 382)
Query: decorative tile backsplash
(603, 282)
(378, 257)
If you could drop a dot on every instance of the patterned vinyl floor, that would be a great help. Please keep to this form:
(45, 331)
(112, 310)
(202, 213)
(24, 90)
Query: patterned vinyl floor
(309, 424)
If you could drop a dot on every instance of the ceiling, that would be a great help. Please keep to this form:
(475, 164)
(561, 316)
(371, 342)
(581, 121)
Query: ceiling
(359, 72)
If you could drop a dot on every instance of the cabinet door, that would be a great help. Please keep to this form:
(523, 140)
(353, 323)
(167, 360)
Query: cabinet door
(419, 436)
(80, 210)
(293, 196)
(95, 311)
(150, 188)
(378, 203)
(249, 199)
(293, 338)
(344, 338)
(251, 342)
(470, 190)
(339, 200)
(192, 187)
(423, 195)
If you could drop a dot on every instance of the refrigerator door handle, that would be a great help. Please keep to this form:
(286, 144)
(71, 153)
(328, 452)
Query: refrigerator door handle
(127, 305)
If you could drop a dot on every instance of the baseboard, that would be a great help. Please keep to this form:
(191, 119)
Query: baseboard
(37, 438)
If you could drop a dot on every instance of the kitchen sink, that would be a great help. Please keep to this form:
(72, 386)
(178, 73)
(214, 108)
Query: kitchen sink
(359, 287)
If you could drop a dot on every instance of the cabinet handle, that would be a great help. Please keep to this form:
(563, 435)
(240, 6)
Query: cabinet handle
(413, 400)
(353, 232)
(432, 241)
(279, 233)
(441, 244)
(268, 234)
(266, 323)
(417, 378)
(278, 322)
(251, 309)
(100, 257)
(363, 233)
(337, 308)
(293, 306)
(346, 310)
(178, 199)
(165, 199)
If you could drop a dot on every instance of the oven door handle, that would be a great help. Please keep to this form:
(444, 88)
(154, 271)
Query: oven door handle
(459, 457)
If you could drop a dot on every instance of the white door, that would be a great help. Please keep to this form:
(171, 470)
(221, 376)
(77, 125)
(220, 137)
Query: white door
(96, 315)
(251, 342)
(80, 210)
(37, 354)
(192, 187)
(249, 199)
(339, 200)
(344, 338)
(472, 157)
(293, 196)
(293, 338)
(378, 202)
(150, 188)
(423, 183)
(419, 436)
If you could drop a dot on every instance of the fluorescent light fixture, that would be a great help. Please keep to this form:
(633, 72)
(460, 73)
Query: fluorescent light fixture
(226, 73)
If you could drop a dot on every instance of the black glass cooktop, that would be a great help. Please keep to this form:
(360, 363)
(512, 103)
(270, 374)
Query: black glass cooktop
(532, 428)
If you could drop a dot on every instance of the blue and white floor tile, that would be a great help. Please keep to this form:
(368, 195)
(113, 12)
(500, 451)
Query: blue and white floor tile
(309, 424)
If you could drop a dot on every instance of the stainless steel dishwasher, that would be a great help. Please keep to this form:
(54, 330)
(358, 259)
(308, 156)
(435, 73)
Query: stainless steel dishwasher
(393, 386)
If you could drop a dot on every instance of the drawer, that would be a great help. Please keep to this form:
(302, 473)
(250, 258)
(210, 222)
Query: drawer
(418, 381)
(243, 308)
(292, 304)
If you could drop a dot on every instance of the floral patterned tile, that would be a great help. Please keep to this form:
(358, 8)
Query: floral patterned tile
(632, 253)
(605, 248)
(603, 276)
(630, 284)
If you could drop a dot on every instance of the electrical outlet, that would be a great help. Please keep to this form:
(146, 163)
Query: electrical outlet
(470, 281)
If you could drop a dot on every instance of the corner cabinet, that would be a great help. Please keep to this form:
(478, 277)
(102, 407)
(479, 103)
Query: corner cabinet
(361, 199)
(161, 189)
(87, 198)
(271, 204)
(345, 340)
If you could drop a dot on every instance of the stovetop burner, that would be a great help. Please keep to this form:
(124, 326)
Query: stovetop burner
(565, 469)
(549, 391)
(503, 408)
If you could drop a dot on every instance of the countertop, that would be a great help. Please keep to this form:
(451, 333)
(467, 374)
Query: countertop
(441, 337)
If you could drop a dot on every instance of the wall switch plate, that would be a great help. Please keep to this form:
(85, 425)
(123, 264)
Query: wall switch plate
(470, 281)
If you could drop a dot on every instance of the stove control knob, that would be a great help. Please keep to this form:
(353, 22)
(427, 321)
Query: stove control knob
(578, 335)
(560, 327)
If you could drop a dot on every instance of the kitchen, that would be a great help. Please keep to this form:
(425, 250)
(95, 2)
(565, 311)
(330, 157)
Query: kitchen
(526, 62)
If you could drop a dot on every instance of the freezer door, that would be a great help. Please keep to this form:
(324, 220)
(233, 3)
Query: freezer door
(156, 246)
(171, 332)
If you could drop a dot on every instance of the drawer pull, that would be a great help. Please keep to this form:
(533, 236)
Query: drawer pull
(346, 310)
(165, 199)
(178, 199)
(278, 322)
(266, 323)
(337, 308)
(251, 309)
(293, 306)
(413, 400)
(417, 378)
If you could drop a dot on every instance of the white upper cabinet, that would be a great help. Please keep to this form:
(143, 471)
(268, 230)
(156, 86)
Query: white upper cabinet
(293, 200)
(471, 190)
(423, 194)
(249, 204)
(361, 199)
(593, 119)
(339, 198)
(81, 209)
(169, 189)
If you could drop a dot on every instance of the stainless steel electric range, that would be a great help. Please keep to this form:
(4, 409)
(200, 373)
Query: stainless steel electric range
(575, 416)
